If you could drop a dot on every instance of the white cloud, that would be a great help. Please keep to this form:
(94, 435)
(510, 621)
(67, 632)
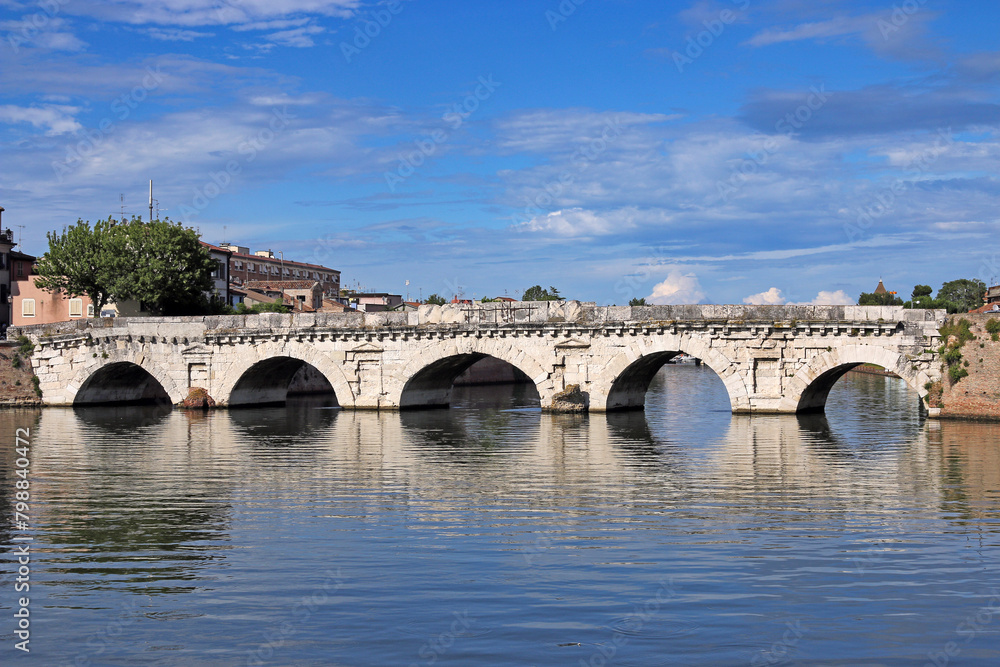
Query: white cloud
(676, 289)
(826, 298)
(56, 117)
(296, 37)
(49, 32)
(176, 34)
(842, 25)
(581, 222)
(192, 13)
(772, 297)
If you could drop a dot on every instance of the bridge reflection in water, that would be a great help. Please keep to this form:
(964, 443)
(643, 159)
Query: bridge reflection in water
(686, 434)
(546, 529)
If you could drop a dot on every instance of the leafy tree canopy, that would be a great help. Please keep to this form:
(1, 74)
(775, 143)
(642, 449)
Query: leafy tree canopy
(436, 300)
(966, 294)
(536, 293)
(872, 299)
(159, 263)
(641, 301)
(955, 296)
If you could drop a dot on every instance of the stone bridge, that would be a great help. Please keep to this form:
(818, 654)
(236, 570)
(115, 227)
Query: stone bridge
(772, 359)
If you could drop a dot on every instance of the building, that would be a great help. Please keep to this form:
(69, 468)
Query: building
(33, 305)
(302, 295)
(221, 273)
(372, 302)
(262, 265)
(6, 246)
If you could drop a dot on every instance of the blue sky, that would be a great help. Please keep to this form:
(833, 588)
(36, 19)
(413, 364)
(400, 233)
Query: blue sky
(730, 151)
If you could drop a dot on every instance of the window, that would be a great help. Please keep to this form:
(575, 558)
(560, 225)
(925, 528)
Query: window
(90, 310)
(220, 270)
(20, 274)
(28, 308)
(76, 307)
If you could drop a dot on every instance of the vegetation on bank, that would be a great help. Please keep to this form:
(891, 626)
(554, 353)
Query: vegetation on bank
(955, 334)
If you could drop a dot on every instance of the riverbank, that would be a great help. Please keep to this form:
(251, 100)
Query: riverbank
(17, 382)
(977, 395)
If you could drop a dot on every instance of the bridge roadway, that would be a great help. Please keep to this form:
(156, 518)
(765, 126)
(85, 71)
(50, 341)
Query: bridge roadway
(772, 359)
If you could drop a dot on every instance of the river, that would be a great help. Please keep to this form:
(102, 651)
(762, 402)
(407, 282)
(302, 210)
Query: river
(491, 534)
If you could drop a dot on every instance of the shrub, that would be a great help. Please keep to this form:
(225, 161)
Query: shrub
(25, 346)
(956, 373)
(960, 330)
(35, 381)
(15, 361)
(243, 309)
(993, 325)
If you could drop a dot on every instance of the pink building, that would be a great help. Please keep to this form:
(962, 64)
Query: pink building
(33, 305)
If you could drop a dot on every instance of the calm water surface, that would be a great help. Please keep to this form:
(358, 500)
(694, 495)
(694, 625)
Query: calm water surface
(490, 534)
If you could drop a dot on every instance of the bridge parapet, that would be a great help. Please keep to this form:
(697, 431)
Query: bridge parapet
(476, 314)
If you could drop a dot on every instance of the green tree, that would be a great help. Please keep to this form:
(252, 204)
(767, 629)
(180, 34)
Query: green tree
(964, 293)
(84, 260)
(641, 301)
(872, 299)
(921, 290)
(172, 270)
(436, 300)
(536, 293)
(159, 263)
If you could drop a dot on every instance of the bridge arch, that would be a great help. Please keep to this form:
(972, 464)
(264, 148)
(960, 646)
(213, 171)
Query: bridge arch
(623, 383)
(427, 380)
(123, 379)
(263, 375)
(809, 388)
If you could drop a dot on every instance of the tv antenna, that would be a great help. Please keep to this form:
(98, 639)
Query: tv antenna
(20, 231)
(121, 200)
